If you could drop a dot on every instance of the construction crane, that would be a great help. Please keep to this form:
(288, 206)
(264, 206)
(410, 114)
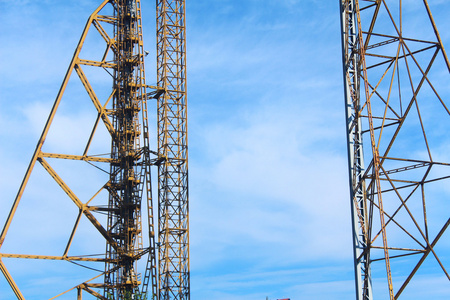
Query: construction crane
(124, 115)
(392, 103)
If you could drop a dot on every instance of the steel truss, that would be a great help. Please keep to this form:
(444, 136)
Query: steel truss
(173, 225)
(124, 116)
(392, 105)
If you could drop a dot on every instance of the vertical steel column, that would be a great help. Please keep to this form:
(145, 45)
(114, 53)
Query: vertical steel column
(172, 145)
(127, 176)
(351, 77)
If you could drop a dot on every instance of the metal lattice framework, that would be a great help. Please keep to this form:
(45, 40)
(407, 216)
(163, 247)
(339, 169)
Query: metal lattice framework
(397, 129)
(172, 146)
(131, 168)
(123, 115)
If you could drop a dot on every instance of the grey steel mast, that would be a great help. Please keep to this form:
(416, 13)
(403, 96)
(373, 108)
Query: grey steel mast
(351, 77)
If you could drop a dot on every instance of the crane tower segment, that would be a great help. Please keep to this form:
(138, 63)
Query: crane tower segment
(130, 172)
(173, 216)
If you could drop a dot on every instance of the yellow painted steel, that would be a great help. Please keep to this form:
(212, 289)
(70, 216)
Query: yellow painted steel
(93, 63)
(49, 257)
(37, 151)
(78, 203)
(10, 280)
(101, 110)
(80, 286)
(79, 157)
(173, 196)
(124, 115)
(129, 166)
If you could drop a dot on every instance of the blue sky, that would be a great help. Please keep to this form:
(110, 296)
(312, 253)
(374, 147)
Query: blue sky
(270, 213)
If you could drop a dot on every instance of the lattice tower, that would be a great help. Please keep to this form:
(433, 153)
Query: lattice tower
(124, 116)
(173, 225)
(396, 101)
(130, 169)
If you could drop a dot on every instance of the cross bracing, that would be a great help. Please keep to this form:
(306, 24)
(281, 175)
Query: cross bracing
(394, 143)
(115, 208)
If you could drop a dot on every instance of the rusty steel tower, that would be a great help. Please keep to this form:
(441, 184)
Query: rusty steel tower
(396, 77)
(123, 114)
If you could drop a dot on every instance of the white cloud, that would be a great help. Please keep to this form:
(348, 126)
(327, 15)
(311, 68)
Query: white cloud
(262, 196)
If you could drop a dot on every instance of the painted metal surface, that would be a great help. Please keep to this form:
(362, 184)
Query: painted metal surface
(173, 198)
(127, 176)
(355, 149)
(388, 95)
(123, 114)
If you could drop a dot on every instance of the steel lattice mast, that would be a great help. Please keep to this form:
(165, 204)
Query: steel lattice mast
(131, 170)
(173, 226)
(387, 81)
